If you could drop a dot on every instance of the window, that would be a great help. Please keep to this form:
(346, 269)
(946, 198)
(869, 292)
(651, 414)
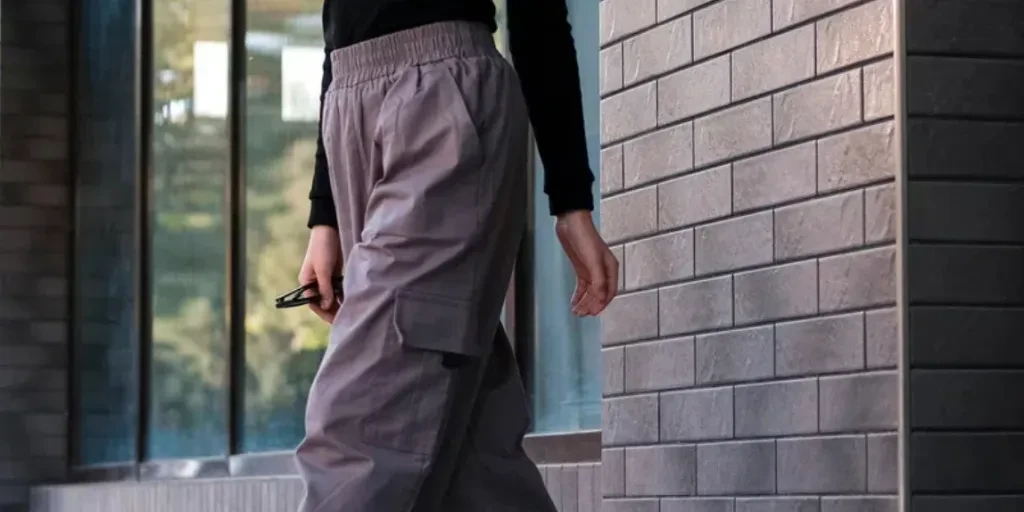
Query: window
(190, 219)
(285, 52)
(188, 230)
(104, 248)
(566, 368)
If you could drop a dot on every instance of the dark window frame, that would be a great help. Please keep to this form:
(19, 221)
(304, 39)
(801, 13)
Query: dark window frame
(546, 448)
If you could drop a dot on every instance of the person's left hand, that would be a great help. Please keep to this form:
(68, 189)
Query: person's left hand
(597, 270)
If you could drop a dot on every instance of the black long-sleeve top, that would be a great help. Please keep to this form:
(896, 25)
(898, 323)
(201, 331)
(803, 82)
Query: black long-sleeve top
(543, 53)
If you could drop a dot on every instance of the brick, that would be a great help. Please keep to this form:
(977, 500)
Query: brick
(820, 345)
(777, 408)
(696, 415)
(965, 212)
(661, 470)
(744, 467)
(819, 226)
(882, 338)
(728, 24)
(734, 132)
(777, 505)
(695, 306)
(734, 243)
(855, 35)
(773, 63)
(611, 69)
(620, 256)
(879, 91)
(659, 365)
(990, 28)
(790, 12)
(695, 198)
(630, 420)
(856, 157)
(630, 505)
(628, 112)
(663, 48)
(965, 336)
(859, 504)
(697, 505)
(966, 463)
(735, 356)
(631, 214)
(776, 293)
(982, 400)
(659, 154)
(611, 169)
(777, 177)
(694, 90)
(589, 495)
(613, 472)
(968, 503)
(883, 463)
(818, 107)
(32, 217)
(858, 280)
(958, 87)
(671, 8)
(660, 259)
(614, 371)
(630, 317)
(570, 489)
(959, 148)
(826, 465)
(880, 214)
(961, 274)
(859, 402)
(620, 18)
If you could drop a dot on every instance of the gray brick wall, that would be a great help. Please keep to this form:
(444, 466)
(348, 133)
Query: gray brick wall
(748, 188)
(34, 219)
(965, 256)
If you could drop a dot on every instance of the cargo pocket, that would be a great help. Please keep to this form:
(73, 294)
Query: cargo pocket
(413, 383)
(428, 321)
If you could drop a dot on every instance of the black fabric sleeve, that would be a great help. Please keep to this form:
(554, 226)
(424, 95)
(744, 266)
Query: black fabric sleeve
(544, 55)
(321, 208)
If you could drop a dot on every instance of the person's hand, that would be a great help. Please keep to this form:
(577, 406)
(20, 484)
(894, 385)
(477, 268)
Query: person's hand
(323, 260)
(597, 270)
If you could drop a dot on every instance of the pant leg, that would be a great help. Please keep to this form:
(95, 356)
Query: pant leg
(492, 472)
(428, 260)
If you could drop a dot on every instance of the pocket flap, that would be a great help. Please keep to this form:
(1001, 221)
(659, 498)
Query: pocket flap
(430, 322)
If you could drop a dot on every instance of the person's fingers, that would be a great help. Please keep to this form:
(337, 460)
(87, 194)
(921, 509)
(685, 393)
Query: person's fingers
(326, 316)
(611, 271)
(611, 265)
(325, 287)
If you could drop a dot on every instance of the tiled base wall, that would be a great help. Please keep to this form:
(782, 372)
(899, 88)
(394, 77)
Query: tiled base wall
(574, 488)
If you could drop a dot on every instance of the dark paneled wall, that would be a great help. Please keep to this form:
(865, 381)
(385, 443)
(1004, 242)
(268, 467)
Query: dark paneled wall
(965, 259)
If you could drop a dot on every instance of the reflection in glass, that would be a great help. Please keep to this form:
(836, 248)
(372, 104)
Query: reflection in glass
(284, 46)
(189, 228)
(567, 361)
(104, 275)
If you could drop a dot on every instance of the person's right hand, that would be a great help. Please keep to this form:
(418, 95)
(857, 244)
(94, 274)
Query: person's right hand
(322, 263)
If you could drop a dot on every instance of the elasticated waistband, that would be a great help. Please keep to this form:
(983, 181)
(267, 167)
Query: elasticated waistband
(386, 55)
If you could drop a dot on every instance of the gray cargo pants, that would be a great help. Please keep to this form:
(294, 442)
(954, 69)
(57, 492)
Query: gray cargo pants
(418, 404)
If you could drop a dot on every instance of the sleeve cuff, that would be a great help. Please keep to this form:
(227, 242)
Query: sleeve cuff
(321, 213)
(583, 199)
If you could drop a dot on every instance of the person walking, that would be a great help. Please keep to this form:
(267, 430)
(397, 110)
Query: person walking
(419, 199)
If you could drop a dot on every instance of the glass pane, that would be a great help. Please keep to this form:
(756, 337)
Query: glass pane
(104, 286)
(285, 51)
(567, 361)
(189, 228)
